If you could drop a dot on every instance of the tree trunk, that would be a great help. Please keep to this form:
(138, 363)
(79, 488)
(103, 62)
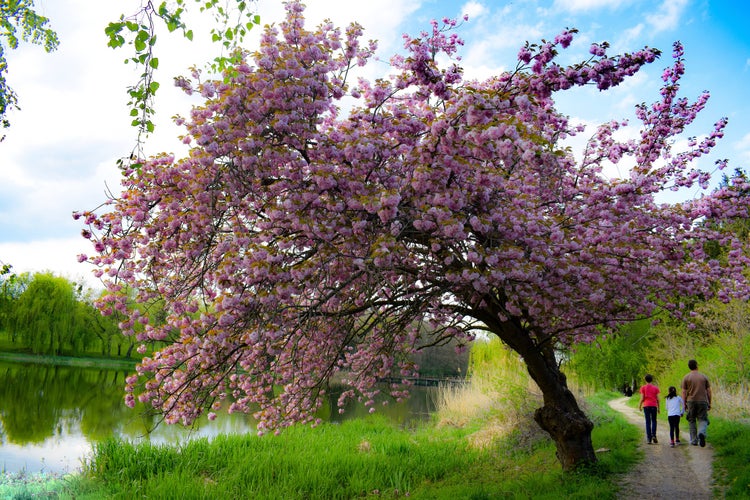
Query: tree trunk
(560, 416)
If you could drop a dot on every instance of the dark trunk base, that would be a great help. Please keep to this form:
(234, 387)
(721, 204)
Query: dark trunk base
(570, 429)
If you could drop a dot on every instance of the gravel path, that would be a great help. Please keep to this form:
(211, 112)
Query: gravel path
(682, 472)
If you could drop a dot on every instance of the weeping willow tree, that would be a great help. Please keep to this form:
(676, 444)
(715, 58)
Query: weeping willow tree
(44, 314)
(614, 361)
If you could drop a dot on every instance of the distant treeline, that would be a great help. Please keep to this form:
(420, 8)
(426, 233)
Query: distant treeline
(51, 315)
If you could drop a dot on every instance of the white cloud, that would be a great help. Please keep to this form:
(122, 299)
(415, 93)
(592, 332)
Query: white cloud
(493, 52)
(668, 16)
(631, 34)
(582, 5)
(474, 10)
(57, 255)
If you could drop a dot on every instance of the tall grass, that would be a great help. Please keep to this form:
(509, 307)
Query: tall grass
(498, 398)
(359, 458)
(731, 402)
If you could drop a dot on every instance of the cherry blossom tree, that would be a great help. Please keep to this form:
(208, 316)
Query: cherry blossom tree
(296, 242)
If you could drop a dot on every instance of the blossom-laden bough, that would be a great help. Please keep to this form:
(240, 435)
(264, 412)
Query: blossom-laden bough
(293, 244)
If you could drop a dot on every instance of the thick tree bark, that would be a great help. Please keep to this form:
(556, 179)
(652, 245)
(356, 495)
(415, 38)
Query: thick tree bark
(560, 417)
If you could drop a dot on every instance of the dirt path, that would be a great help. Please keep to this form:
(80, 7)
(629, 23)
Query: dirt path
(681, 472)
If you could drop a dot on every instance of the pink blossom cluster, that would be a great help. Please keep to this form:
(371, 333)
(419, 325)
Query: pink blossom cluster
(293, 245)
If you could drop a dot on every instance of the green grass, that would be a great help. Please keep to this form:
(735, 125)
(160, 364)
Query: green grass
(731, 444)
(361, 458)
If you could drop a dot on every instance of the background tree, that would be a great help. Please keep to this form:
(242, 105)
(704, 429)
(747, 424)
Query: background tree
(19, 22)
(11, 288)
(314, 244)
(444, 360)
(44, 314)
(724, 330)
(617, 360)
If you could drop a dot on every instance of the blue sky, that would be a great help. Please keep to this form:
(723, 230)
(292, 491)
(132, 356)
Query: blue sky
(59, 156)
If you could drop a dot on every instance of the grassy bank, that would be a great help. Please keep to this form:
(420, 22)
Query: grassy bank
(16, 351)
(362, 458)
(731, 443)
(372, 458)
(84, 362)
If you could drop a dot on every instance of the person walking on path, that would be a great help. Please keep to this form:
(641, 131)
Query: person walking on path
(675, 410)
(696, 392)
(650, 406)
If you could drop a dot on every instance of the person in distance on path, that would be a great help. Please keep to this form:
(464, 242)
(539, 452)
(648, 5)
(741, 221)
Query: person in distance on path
(696, 392)
(675, 410)
(650, 405)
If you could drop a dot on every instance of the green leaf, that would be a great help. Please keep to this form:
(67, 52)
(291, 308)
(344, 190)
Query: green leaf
(140, 40)
(189, 35)
(154, 62)
(134, 112)
(116, 41)
(113, 29)
(153, 87)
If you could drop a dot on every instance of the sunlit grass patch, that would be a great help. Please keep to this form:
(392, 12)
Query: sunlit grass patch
(733, 402)
(498, 398)
(731, 444)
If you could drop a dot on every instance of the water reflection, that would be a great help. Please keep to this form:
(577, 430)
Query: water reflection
(51, 415)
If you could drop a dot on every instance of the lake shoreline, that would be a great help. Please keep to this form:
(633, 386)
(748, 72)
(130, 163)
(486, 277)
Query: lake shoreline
(115, 364)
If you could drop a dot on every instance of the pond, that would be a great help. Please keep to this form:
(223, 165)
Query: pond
(50, 416)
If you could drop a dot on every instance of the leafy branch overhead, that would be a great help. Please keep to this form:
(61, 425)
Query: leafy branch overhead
(19, 22)
(234, 21)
